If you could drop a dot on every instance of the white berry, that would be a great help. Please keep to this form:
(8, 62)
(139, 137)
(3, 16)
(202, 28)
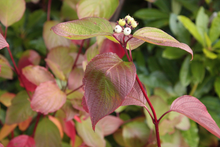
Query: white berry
(127, 31)
(118, 29)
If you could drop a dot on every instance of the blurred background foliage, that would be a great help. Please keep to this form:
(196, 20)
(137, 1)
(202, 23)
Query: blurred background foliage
(166, 72)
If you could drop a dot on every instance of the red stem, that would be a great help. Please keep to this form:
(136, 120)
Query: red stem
(12, 134)
(6, 29)
(75, 90)
(35, 126)
(163, 115)
(48, 10)
(155, 121)
(80, 49)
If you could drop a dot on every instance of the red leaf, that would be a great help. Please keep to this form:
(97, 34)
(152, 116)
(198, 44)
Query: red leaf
(47, 98)
(107, 81)
(84, 104)
(135, 97)
(159, 37)
(195, 110)
(110, 124)
(22, 141)
(69, 129)
(110, 46)
(1, 145)
(3, 42)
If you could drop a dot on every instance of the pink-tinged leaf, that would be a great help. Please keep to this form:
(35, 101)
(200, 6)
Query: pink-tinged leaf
(51, 39)
(47, 98)
(80, 59)
(195, 110)
(69, 111)
(83, 28)
(6, 130)
(47, 134)
(20, 109)
(37, 74)
(29, 57)
(6, 98)
(6, 69)
(57, 123)
(96, 8)
(3, 42)
(69, 129)
(110, 46)
(132, 43)
(84, 104)
(159, 37)
(76, 99)
(11, 11)
(110, 124)
(75, 78)
(1, 145)
(107, 80)
(135, 97)
(90, 137)
(60, 61)
(25, 124)
(91, 52)
(22, 141)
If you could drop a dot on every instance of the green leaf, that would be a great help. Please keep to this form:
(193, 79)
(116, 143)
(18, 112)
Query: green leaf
(67, 10)
(11, 11)
(191, 136)
(6, 69)
(202, 21)
(208, 41)
(176, 7)
(47, 134)
(217, 86)
(159, 37)
(20, 109)
(173, 53)
(90, 137)
(198, 71)
(84, 28)
(191, 27)
(214, 31)
(185, 78)
(209, 54)
(150, 14)
(135, 134)
(52, 40)
(96, 8)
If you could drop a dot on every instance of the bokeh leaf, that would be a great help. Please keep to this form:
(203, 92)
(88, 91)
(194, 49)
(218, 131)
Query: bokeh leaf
(159, 37)
(217, 86)
(214, 31)
(47, 134)
(6, 130)
(195, 110)
(6, 69)
(107, 81)
(96, 8)
(3, 42)
(20, 109)
(83, 28)
(22, 140)
(11, 11)
(47, 98)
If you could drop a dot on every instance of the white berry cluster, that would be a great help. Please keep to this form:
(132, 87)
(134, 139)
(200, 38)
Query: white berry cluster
(126, 25)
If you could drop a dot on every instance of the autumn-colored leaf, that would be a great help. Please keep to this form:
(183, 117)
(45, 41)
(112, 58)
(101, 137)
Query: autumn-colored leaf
(47, 134)
(96, 8)
(20, 109)
(159, 37)
(57, 123)
(47, 98)
(91, 138)
(3, 42)
(6, 69)
(6, 130)
(107, 81)
(83, 28)
(1, 145)
(110, 124)
(25, 124)
(69, 111)
(22, 141)
(75, 78)
(6, 98)
(69, 129)
(110, 46)
(195, 110)
(8, 9)
(37, 74)
(52, 40)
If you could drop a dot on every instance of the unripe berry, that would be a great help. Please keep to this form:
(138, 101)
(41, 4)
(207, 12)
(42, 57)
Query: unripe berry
(118, 29)
(127, 31)
(128, 17)
(134, 24)
(121, 22)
